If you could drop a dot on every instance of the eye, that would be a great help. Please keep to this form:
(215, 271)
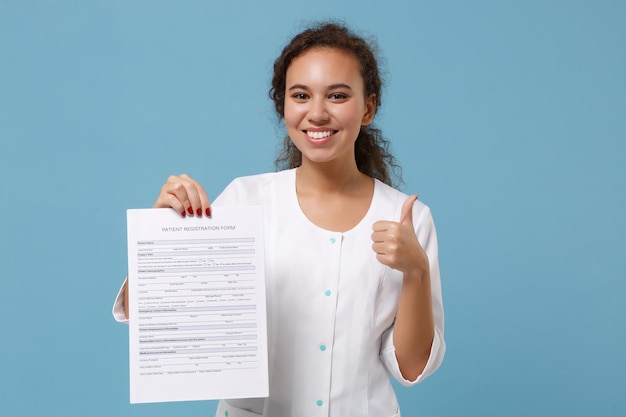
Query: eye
(300, 96)
(338, 96)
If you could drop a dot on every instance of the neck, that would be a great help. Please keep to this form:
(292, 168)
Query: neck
(330, 178)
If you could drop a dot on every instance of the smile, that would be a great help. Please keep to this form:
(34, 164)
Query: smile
(319, 135)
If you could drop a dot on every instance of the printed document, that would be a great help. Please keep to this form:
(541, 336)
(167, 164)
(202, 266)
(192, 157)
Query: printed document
(197, 305)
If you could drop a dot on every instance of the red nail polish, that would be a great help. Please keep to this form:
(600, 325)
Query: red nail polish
(199, 212)
(190, 211)
(183, 213)
(208, 212)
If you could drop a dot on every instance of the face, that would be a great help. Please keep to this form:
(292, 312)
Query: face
(325, 105)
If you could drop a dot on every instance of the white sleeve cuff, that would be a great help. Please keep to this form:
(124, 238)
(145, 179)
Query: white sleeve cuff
(388, 356)
(118, 306)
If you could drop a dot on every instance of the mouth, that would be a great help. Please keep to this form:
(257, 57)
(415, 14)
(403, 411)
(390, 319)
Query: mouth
(318, 135)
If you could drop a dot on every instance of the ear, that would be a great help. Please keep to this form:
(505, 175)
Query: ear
(370, 110)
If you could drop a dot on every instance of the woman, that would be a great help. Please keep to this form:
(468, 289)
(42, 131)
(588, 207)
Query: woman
(353, 289)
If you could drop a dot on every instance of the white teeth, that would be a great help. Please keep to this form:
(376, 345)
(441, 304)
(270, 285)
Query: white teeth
(319, 135)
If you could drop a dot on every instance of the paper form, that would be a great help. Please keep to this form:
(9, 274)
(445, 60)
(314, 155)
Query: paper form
(197, 305)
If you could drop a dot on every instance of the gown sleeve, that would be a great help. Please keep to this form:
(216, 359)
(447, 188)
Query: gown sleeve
(427, 236)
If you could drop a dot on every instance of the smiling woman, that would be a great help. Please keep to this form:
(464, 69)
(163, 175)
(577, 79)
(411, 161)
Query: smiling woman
(352, 274)
(371, 150)
(324, 115)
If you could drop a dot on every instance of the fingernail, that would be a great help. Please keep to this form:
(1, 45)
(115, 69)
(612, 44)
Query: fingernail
(190, 211)
(183, 213)
(199, 212)
(208, 212)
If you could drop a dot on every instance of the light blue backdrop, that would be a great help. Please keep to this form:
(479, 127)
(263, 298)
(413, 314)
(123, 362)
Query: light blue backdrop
(509, 118)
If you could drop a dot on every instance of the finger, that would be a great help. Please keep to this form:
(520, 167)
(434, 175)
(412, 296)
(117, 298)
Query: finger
(406, 216)
(188, 189)
(181, 194)
(199, 204)
(379, 248)
(172, 201)
(378, 236)
(170, 196)
(204, 207)
(381, 225)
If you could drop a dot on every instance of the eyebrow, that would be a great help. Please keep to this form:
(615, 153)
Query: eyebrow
(330, 87)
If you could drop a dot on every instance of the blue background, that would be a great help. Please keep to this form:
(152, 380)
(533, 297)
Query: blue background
(509, 119)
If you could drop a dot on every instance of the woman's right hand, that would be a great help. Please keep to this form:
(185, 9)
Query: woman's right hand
(184, 195)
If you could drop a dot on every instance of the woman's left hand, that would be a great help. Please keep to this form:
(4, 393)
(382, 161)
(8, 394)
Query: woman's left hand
(396, 244)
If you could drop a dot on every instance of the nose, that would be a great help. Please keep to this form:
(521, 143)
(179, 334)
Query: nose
(318, 112)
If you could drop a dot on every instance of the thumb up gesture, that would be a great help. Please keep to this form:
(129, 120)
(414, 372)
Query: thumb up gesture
(396, 244)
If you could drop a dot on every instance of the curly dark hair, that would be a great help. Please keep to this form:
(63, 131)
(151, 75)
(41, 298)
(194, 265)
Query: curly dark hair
(372, 154)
